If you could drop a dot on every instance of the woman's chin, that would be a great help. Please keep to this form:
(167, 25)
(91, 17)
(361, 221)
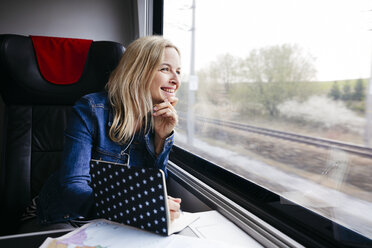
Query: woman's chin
(167, 95)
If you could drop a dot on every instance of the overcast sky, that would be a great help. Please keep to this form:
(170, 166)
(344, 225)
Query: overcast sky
(335, 32)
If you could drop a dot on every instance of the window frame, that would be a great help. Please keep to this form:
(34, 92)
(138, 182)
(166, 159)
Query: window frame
(303, 225)
(158, 17)
(299, 223)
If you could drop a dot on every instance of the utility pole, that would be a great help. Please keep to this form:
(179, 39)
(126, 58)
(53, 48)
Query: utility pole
(368, 104)
(368, 126)
(193, 84)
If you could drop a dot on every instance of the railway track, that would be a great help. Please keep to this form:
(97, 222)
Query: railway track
(318, 142)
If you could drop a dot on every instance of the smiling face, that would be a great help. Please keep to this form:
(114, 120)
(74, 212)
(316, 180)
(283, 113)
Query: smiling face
(167, 77)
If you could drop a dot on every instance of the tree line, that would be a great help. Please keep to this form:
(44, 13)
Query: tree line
(271, 75)
(266, 78)
(347, 93)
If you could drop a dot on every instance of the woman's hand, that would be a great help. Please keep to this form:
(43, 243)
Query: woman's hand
(165, 117)
(174, 207)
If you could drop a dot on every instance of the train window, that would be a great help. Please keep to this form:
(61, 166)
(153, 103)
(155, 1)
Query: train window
(279, 93)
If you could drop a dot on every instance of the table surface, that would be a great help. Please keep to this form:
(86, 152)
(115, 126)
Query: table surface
(210, 225)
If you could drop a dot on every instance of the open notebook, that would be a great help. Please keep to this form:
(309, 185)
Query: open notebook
(134, 196)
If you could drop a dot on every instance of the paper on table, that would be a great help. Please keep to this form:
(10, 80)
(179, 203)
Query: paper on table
(183, 221)
(104, 233)
(213, 226)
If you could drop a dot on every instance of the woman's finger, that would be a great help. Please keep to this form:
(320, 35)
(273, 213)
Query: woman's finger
(168, 110)
(174, 215)
(165, 113)
(167, 103)
(173, 205)
(175, 199)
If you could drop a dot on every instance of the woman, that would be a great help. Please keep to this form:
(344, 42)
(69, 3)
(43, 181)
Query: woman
(135, 116)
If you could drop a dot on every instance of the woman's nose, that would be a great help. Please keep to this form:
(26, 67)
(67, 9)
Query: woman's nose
(175, 79)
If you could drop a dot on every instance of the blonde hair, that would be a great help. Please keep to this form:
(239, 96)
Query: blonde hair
(129, 86)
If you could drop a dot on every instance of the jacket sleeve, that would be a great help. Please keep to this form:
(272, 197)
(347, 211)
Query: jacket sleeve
(74, 177)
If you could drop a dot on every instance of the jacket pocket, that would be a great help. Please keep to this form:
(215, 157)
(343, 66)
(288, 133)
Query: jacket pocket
(105, 155)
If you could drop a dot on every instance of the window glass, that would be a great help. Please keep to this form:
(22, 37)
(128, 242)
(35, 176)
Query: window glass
(278, 91)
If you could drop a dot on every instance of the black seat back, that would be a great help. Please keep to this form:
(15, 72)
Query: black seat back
(33, 117)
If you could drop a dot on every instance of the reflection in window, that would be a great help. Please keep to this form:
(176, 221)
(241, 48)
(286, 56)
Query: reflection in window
(282, 98)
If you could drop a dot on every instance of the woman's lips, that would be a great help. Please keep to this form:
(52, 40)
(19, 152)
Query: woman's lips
(168, 90)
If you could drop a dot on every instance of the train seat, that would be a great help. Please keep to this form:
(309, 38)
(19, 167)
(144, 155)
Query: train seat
(33, 112)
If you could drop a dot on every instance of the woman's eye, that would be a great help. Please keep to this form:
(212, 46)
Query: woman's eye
(164, 69)
(178, 72)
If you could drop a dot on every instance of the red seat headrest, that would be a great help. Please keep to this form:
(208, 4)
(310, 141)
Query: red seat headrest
(61, 60)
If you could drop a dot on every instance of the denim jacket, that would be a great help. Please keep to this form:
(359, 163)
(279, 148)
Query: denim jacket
(67, 195)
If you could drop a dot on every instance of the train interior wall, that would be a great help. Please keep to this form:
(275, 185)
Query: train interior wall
(114, 20)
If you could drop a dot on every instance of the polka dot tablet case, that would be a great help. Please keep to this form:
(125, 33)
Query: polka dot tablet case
(130, 195)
